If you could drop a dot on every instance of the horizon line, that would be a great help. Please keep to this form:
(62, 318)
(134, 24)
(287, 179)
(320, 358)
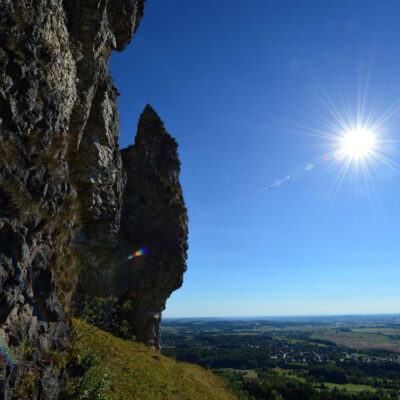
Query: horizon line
(287, 316)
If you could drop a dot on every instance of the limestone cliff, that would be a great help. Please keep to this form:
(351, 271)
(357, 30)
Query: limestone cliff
(154, 218)
(62, 182)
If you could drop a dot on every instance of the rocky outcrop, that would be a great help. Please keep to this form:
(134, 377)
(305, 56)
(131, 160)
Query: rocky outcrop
(73, 208)
(37, 94)
(61, 176)
(154, 219)
(95, 169)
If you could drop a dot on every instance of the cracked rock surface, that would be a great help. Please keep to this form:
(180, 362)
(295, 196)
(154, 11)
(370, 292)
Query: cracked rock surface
(61, 177)
(153, 218)
(72, 206)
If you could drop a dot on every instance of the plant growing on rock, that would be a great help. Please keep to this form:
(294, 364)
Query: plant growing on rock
(107, 313)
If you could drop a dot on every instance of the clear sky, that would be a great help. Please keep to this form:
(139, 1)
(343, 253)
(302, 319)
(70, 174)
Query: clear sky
(244, 86)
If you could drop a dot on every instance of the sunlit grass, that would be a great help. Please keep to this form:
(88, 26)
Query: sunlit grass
(139, 373)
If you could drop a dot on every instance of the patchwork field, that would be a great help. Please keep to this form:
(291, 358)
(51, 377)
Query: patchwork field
(363, 339)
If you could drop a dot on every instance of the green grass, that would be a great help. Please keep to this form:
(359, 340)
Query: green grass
(350, 387)
(143, 374)
(250, 374)
(290, 374)
(382, 331)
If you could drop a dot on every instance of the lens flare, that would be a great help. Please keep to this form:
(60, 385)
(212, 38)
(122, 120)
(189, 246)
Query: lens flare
(5, 353)
(358, 140)
(361, 145)
(138, 253)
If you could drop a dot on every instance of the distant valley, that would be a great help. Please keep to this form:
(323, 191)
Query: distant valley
(352, 354)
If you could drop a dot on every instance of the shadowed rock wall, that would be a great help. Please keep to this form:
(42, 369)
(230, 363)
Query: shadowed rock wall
(71, 208)
(154, 218)
(61, 177)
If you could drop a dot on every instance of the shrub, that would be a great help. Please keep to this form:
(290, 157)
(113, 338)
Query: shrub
(109, 314)
(92, 381)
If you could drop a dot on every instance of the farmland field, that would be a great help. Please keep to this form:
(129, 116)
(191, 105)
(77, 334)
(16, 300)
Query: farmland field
(311, 358)
(361, 339)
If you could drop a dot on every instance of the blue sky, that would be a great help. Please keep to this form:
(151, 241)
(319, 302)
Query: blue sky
(242, 86)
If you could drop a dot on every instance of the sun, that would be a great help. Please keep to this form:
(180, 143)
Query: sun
(357, 144)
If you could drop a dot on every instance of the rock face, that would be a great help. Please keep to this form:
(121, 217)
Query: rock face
(62, 182)
(154, 219)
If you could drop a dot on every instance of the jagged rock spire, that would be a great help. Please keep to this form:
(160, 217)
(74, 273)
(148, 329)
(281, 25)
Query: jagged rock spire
(153, 217)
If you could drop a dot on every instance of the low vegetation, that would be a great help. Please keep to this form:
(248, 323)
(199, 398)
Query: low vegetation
(118, 369)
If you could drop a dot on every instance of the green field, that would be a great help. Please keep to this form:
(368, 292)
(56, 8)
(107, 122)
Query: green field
(350, 387)
(359, 338)
(252, 375)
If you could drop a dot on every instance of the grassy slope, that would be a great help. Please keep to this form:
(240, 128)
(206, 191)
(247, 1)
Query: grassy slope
(143, 374)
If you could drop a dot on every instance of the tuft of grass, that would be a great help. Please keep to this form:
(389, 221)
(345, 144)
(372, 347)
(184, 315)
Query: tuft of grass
(26, 387)
(139, 373)
(93, 382)
(66, 255)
